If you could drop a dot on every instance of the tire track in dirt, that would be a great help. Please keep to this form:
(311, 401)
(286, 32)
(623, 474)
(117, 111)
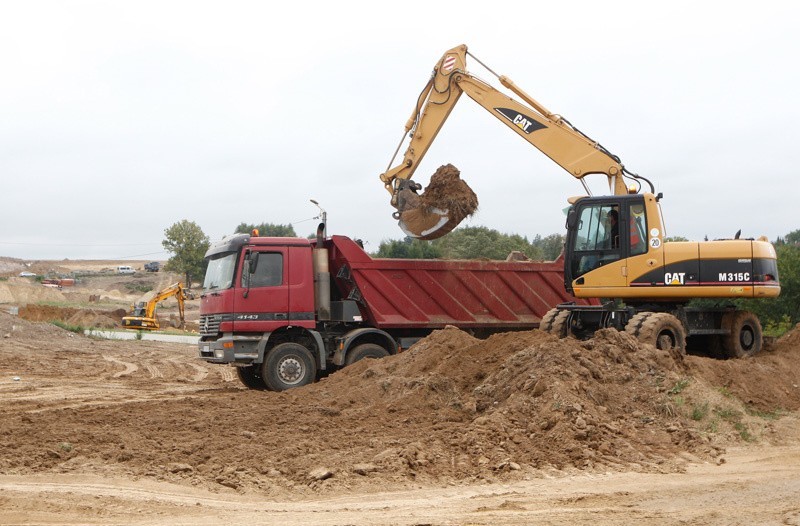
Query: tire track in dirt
(129, 368)
(198, 372)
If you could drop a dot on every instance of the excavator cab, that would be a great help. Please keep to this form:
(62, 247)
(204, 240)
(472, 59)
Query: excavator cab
(602, 232)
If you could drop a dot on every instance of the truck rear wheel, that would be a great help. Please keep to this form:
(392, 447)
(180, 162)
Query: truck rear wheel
(366, 350)
(288, 365)
(664, 331)
(745, 337)
(250, 376)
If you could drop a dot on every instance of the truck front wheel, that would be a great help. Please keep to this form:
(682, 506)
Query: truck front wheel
(288, 365)
(366, 350)
(250, 376)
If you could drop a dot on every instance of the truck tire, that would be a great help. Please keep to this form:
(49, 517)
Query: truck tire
(288, 365)
(744, 337)
(664, 331)
(250, 376)
(365, 350)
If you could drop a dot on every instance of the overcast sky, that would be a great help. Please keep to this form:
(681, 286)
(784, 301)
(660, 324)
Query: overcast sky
(118, 119)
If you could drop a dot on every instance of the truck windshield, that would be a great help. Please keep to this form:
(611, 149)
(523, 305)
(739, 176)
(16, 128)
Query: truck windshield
(219, 274)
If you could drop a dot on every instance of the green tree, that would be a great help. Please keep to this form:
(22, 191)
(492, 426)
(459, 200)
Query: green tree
(482, 242)
(267, 230)
(189, 244)
(408, 248)
(792, 238)
(550, 246)
(473, 243)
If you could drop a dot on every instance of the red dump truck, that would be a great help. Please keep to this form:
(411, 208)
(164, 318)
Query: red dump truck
(286, 310)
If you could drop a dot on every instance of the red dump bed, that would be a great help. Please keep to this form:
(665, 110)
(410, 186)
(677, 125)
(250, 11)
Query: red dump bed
(426, 293)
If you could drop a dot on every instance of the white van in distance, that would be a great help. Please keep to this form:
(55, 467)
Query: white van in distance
(123, 269)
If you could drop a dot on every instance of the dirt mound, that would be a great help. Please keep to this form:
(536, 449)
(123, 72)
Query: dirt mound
(451, 410)
(768, 381)
(87, 318)
(446, 193)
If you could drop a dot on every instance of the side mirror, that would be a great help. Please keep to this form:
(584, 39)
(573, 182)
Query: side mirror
(252, 262)
(572, 219)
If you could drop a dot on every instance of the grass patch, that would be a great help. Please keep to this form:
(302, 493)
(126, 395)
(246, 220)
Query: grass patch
(699, 412)
(679, 386)
(724, 391)
(766, 415)
(68, 327)
(138, 287)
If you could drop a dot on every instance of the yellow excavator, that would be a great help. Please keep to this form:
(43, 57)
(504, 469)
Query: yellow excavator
(616, 249)
(143, 313)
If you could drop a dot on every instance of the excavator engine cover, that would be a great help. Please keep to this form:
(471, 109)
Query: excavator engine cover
(446, 201)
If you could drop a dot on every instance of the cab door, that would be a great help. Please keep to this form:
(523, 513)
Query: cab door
(596, 246)
(261, 303)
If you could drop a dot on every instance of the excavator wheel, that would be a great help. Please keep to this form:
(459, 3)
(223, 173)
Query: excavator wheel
(556, 322)
(664, 331)
(745, 337)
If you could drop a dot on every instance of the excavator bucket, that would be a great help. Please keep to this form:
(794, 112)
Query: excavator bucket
(446, 201)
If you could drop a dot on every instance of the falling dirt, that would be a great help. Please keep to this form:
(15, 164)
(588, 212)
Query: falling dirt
(108, 417)
(446, 195)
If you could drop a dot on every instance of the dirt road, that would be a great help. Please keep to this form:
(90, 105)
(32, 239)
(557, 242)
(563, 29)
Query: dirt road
(517, 429)
(754, 486)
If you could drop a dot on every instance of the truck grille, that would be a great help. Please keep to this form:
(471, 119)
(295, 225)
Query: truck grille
(209, 324)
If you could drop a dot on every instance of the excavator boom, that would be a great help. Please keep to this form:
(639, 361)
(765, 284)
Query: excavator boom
(551, 134)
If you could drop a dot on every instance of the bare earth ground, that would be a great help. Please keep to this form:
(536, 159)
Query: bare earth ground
(517, 429)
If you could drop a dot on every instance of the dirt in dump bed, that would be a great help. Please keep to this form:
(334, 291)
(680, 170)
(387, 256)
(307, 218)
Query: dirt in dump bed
(446, 192)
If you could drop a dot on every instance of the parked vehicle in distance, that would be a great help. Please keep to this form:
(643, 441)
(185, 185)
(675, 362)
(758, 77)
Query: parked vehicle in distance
(124, 269)
(26, 274)
(153, 266)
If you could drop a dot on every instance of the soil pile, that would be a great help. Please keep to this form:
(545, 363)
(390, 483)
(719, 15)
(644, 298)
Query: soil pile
(446, 194)
(452, 410)
(87, 318)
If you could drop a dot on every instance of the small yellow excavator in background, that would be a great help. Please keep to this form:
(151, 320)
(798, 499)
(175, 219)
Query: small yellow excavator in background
(616, 249)
(143, 314)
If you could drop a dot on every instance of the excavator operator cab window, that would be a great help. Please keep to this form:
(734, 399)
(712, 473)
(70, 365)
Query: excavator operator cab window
(638, 229)
(605, 232)
(597, 239)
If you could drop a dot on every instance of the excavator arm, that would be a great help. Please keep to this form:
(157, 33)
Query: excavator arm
(551, 134)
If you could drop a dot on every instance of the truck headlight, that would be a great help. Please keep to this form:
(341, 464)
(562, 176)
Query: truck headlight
(219, 353)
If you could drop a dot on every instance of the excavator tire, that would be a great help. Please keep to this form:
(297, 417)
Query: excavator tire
(665, 332)
(634, 325)
(745, 337)
(547, 320)
(556, 322)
